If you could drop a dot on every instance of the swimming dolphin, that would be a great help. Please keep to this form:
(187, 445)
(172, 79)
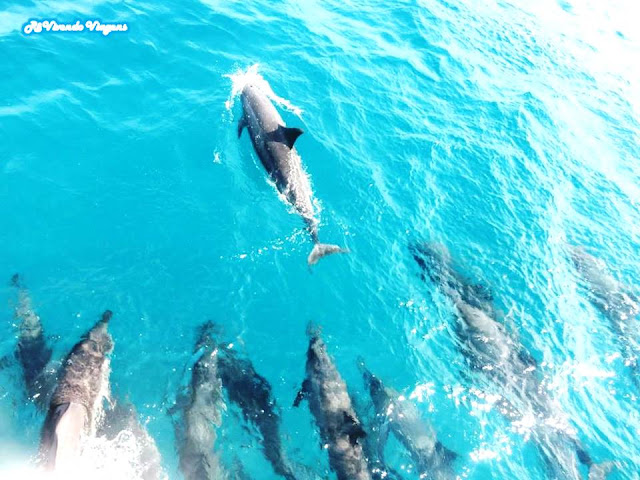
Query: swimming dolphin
(77, 398)
(200, 414)
(252, 393)
(32, 352)
(615, 301)
(498, 354)
(273, 142)
(372, 443)
(330, 404)
(123, 417)
(374, 457)
(431, 458)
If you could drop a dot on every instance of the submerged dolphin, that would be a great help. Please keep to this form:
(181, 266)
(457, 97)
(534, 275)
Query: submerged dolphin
(494, 351)
(431, 458)
(201, 405)
(252, 393)
(273, 142)
(330, 404)
(615, 301)
(76, 399)
(32, 352)
(374, 457)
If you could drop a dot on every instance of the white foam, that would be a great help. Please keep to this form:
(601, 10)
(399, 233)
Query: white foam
(240, 78)
(101, 459)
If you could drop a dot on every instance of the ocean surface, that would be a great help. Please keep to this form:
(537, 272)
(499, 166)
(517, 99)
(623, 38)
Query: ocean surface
(504, 130)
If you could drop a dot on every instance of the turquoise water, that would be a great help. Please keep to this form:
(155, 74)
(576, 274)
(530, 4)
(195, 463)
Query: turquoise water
(503, 130)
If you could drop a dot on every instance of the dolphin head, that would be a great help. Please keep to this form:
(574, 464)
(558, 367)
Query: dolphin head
(433, 260)
(579, 256)
(206, 336)
(317, 351)
(249, 94)
(372, 382)
(99, 341)
(587, 265)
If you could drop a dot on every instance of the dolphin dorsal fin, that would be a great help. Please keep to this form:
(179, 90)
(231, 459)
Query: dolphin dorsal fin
(353, 428)
(290, 135)
(448, 455)
(303, 392)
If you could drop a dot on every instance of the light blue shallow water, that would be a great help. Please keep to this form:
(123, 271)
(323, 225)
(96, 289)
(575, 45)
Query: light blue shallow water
(504, 131)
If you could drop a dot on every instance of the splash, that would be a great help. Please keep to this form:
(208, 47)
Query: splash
(98, 413)
(240, 78)
(120, 457)
(101, 459)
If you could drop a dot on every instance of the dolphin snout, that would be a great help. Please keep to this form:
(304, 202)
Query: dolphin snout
(248, 88)
(106, 316)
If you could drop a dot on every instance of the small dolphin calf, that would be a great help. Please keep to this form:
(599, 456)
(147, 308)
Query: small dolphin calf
(196, 430)
(252, 393)
(76, 400)
(335, 417)
(431, 458)
(615, 301)
(33, 353)
(498, 354)
(273, 142)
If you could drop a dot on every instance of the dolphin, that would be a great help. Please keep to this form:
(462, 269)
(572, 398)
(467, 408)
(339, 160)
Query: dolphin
(76, 400)
(330, 404)
(375, 458)
(614, 300)
(373, 443)
(123, 417)
(32, 351)
(491, 349)
(200, 412)
(432, 459)
(252, 393)
(273, 142)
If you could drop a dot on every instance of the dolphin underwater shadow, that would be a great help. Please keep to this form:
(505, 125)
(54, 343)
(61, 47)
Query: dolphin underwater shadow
(252, 393)
(273, 142)
(197, 414)
(33, 352)
(496, 353)
(615, 301)
(433, 461)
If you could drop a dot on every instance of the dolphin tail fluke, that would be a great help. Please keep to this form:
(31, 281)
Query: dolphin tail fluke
(15, 280)
(322, 250)
(600, 471)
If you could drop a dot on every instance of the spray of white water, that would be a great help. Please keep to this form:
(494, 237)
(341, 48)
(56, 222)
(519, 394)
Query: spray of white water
(101, 459)
(240, 78)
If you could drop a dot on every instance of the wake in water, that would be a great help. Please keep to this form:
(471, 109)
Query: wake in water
(250, 76)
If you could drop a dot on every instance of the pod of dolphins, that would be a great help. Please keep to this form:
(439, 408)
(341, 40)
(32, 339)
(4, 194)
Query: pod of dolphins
(71, 393)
